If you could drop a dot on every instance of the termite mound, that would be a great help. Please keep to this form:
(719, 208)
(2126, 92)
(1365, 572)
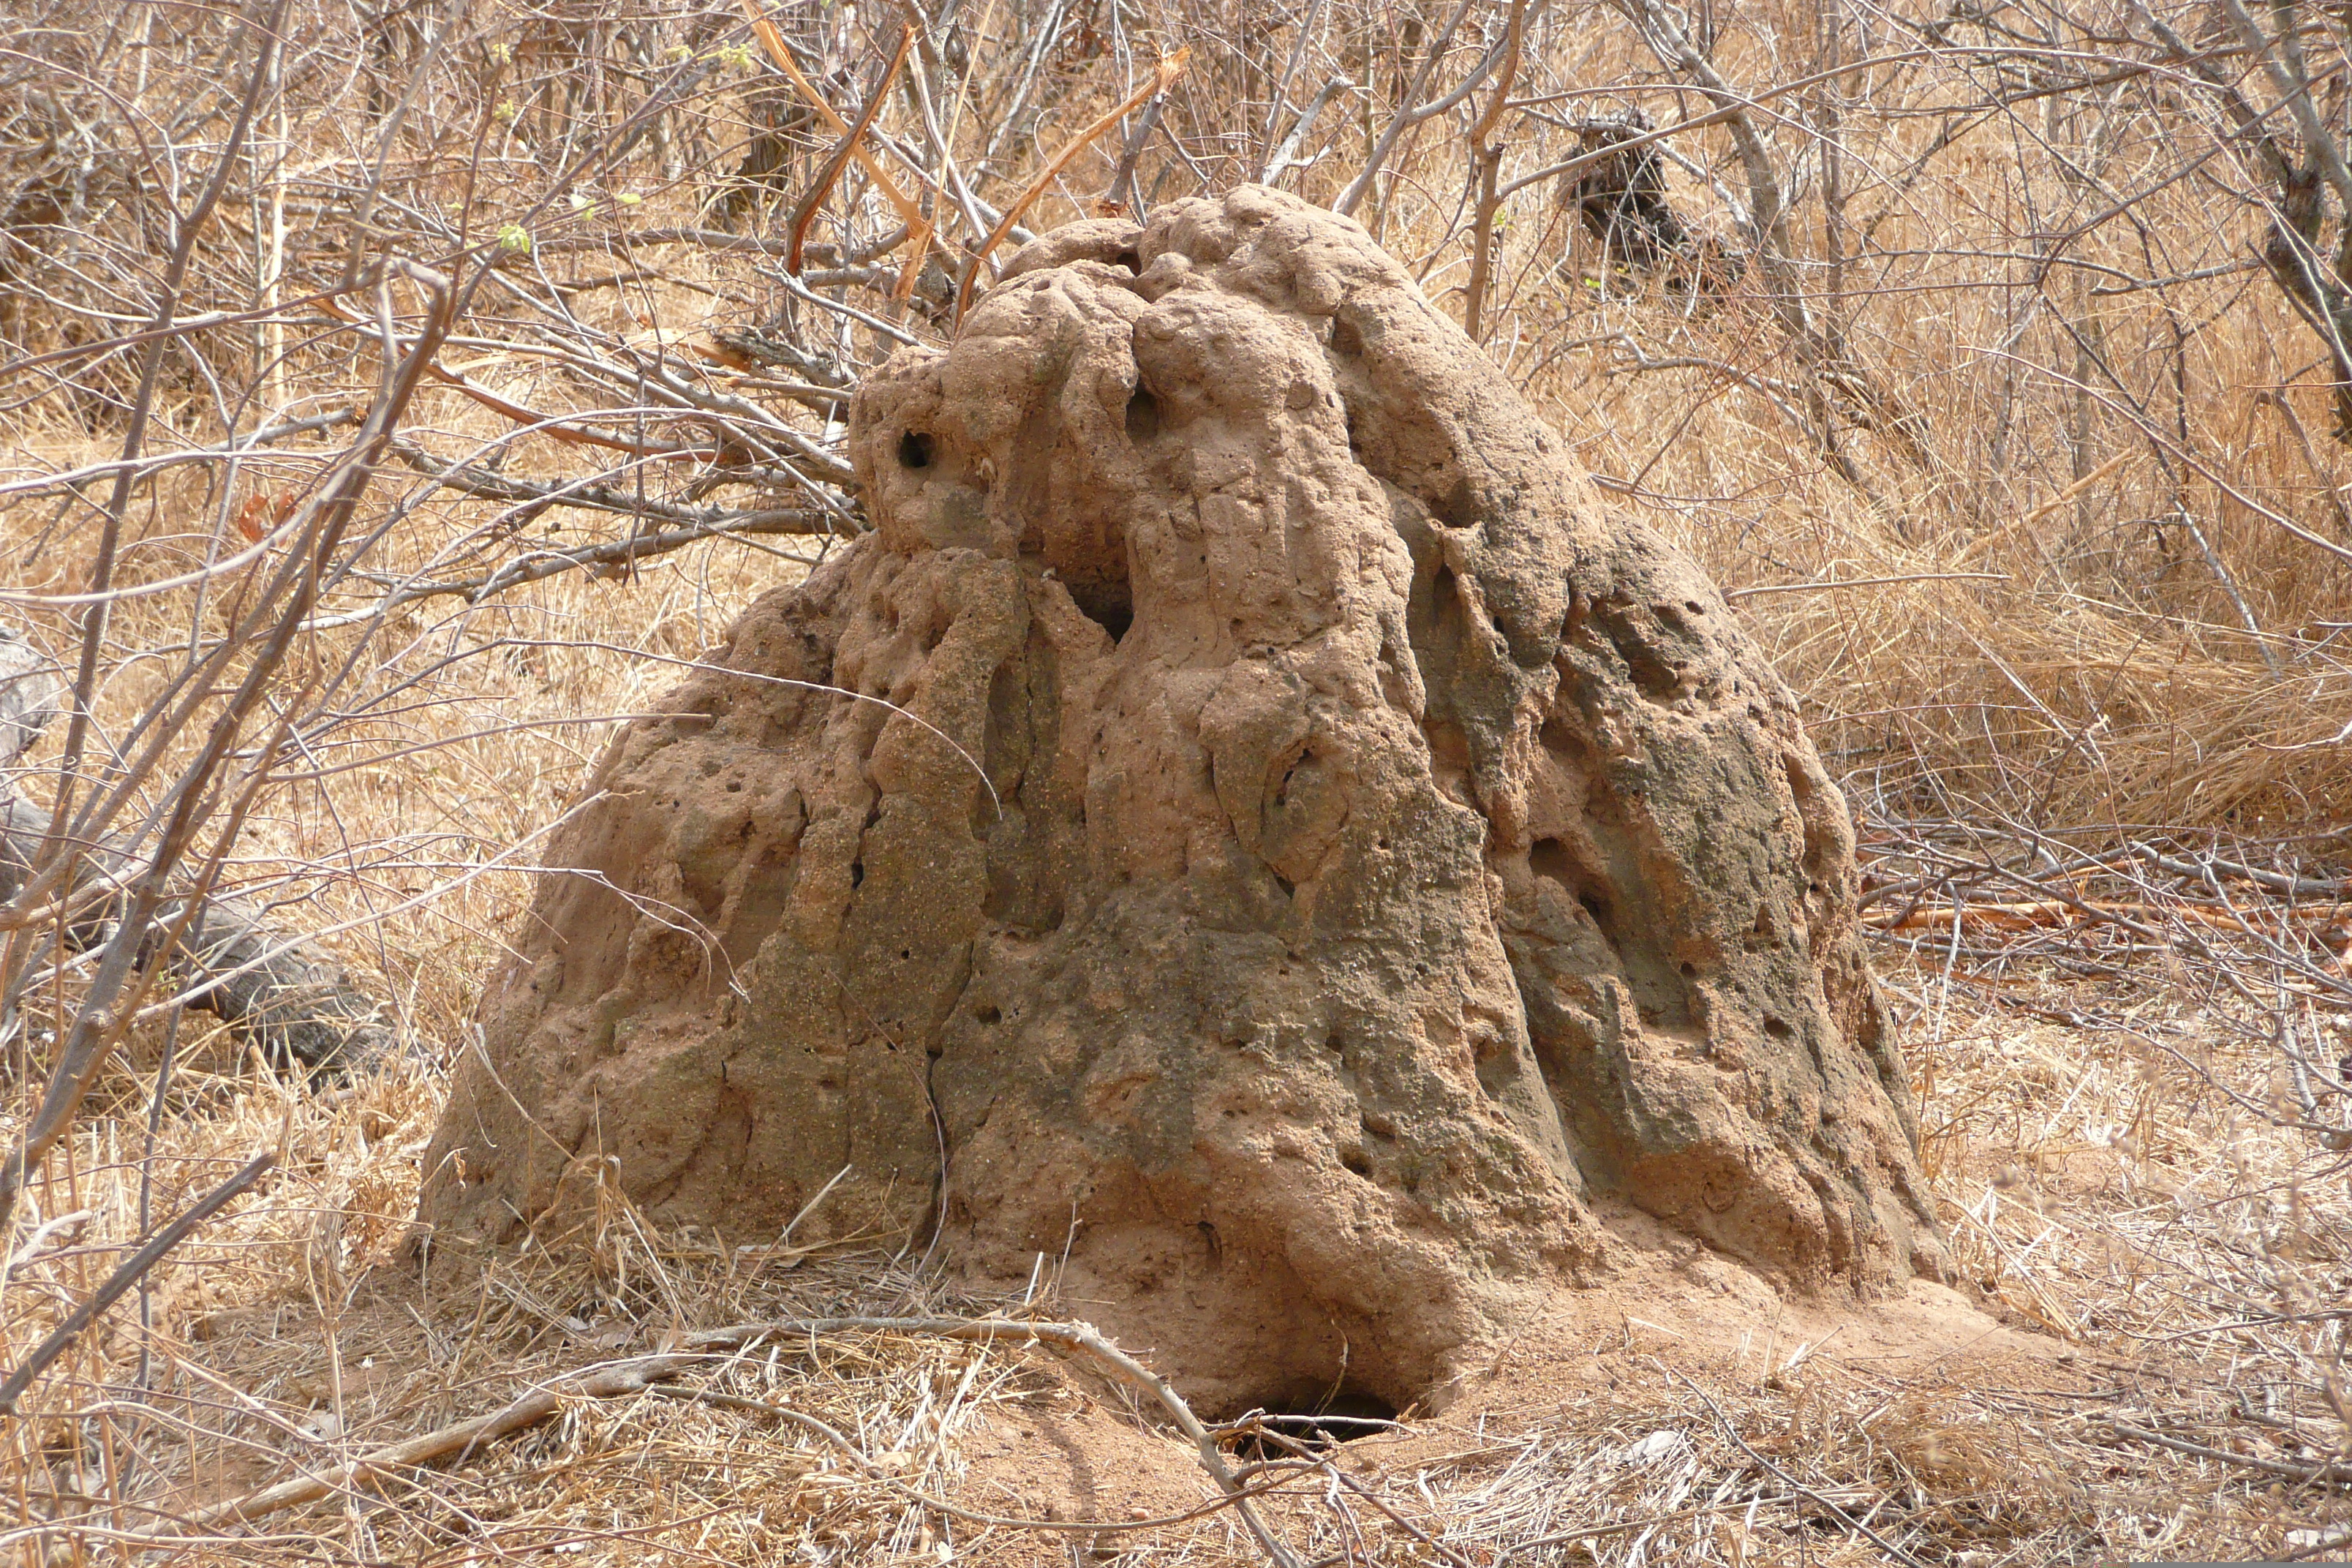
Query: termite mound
(1248, 825)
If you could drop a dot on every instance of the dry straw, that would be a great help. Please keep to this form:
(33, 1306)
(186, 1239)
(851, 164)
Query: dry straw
(1989, 358)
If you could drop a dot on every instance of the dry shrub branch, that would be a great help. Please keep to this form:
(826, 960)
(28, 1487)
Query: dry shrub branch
(394, 396)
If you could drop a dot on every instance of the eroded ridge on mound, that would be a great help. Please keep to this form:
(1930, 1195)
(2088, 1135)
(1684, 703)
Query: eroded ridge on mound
(1383, 849)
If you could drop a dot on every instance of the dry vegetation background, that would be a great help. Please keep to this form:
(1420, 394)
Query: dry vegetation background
(395, 396)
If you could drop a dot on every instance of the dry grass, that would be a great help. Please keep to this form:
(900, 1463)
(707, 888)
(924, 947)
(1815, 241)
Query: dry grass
(2120, 1142)
(2193, 1262)
(2193, 1259)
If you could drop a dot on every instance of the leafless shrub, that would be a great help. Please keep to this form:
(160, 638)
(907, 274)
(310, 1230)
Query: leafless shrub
(396, 393)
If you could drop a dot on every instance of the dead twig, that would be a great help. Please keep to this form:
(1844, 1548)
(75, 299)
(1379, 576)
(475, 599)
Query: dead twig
(917, 227)
(1487, 162)
(2297, 887)
(1786, 1480)
(833, 1436)
(622, 1378)
(644, 1374)
(829, 172)
(1163, 77)
(1083, 1338)
(133, 1270)
(2330, 1473)
(1826, 586)
(2058, 912)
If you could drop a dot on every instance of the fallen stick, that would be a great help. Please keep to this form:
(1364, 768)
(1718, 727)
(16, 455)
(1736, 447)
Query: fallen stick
(1736, 594)
(641, 1375)
(1361, 1490)
(1649, 1520)
(1794, 1485)
(2275, 881)
(2327, 1473)
(803, 1419)
(1083, 1338)
(2058, 912)
(622, 1378)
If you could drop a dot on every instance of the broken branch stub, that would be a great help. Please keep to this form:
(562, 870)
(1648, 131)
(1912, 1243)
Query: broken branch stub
(1400, 859)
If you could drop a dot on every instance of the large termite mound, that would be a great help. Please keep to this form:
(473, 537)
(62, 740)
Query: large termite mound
(1247, 825)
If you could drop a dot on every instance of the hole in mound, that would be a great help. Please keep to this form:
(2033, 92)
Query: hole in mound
(1107, 605)
(1129, 258)
(1458, 507)
(1549, 858)
(914, 450)
(1142, 417)
(1284, 1427)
